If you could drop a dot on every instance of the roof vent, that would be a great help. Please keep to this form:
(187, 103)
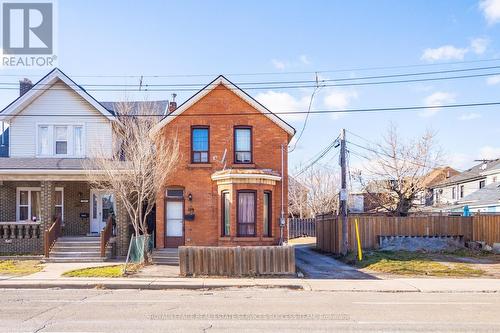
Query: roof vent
(484, 166)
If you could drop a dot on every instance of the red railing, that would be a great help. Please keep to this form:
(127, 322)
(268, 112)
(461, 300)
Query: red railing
(51, 235)
(106, 234)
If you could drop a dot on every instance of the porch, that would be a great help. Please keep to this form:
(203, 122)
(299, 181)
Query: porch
(35, 213)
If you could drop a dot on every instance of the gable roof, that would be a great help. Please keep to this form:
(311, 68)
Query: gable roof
(159, 106)
(221, 80)
(478, 171)
(45, 84)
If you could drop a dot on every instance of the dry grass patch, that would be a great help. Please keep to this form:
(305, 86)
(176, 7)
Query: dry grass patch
(112, 271)
(410, 264)
(20, 267)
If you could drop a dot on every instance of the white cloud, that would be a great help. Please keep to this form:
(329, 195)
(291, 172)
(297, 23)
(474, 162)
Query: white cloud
(284, 102)
(278, 64)
(301, 61)
(489, 152)
(304, 59)
(449, 52)
(491, 10)
(479, 45)
(469, 116)
(446, 52)
(335, 99)
(492, 80)
(437, 99)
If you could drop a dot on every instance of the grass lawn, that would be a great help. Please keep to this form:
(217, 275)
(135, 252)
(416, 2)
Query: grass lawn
(113, 271)
(19, 267)
(410, 263)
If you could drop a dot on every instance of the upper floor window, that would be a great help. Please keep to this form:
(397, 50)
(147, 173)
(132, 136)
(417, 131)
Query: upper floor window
(482, 183)
(462, 188)
(199, 144)
(243, 144)
(453, 189)
(60, 140)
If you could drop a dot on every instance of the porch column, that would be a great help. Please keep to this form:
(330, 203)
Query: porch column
(122, 222)
(47, 197)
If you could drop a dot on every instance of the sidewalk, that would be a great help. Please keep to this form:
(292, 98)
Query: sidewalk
(328, 285)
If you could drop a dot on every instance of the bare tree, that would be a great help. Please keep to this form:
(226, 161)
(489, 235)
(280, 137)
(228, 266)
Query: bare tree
(139, 164)
(315, 191)
(397, 170)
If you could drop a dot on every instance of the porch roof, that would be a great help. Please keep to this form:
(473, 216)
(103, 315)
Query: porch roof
(31, 163)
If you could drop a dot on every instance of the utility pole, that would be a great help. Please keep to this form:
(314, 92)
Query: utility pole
(343, 192)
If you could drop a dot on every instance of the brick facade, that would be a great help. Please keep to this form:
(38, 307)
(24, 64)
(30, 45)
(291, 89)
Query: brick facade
(267, 141)
(76, 196)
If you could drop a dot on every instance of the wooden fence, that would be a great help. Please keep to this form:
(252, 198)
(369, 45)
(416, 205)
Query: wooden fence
(236, 261)
(298, 227)
(478, 228)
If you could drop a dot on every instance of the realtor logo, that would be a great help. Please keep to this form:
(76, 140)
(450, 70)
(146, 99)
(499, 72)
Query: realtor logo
(27, 28)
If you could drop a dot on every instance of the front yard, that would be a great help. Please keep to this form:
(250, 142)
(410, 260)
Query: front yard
(19, 267)
(462, 263)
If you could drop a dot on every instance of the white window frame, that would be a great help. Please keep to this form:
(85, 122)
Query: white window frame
(70, 139)
(34, 189)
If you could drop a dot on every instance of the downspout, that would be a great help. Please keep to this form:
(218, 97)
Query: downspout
(282, 217)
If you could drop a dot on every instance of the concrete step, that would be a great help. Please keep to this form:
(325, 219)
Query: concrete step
(77, 254)
(81, 248)
(75, 259)
(166, 257)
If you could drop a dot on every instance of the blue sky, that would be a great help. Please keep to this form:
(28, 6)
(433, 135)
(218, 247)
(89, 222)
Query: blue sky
(211, 37)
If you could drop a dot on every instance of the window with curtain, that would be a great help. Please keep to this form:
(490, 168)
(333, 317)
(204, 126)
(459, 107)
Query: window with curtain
(199, 144)
(242, 145)
(246, 213)
(61, 140)
(43, 140)
(29, 204)
(226, 213)
(267, 211)
(78, 140)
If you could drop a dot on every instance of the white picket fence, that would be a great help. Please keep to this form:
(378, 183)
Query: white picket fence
(298, 227)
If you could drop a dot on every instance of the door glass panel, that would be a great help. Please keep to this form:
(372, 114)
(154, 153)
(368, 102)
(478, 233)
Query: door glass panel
(107, 206)
(23, 197)
(94, 206)
(174, 218)
(23, 213)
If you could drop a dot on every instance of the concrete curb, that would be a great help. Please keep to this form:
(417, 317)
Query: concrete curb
(380, 286)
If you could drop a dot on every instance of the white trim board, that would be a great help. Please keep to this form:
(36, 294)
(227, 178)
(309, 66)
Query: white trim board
(231, 86)
(45, 84)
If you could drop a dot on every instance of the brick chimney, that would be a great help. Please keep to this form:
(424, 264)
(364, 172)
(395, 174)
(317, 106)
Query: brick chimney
(173, 104)
(24, 86)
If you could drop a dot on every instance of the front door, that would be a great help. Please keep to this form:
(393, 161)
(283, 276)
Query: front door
(174, 223)
(102, 206)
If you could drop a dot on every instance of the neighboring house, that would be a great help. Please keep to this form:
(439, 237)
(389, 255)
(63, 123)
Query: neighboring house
(230, 186)
(436, 176)
(54, 127)
(458, 187)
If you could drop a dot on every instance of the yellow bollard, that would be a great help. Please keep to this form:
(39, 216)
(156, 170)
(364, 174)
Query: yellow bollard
(360, 252)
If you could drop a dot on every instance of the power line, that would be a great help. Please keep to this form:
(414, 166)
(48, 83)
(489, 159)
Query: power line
(307, 115)
(316, 159)
(146, 88)
(361, 110)
(316, 81)
(340, 70)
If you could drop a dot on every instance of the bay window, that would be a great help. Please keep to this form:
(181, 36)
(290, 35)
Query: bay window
(226, 213)
(247, 206)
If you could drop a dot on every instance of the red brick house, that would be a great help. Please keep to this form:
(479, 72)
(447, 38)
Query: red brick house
(230, 185)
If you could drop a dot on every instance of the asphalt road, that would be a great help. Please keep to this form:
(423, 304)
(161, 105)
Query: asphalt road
(247, 310)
